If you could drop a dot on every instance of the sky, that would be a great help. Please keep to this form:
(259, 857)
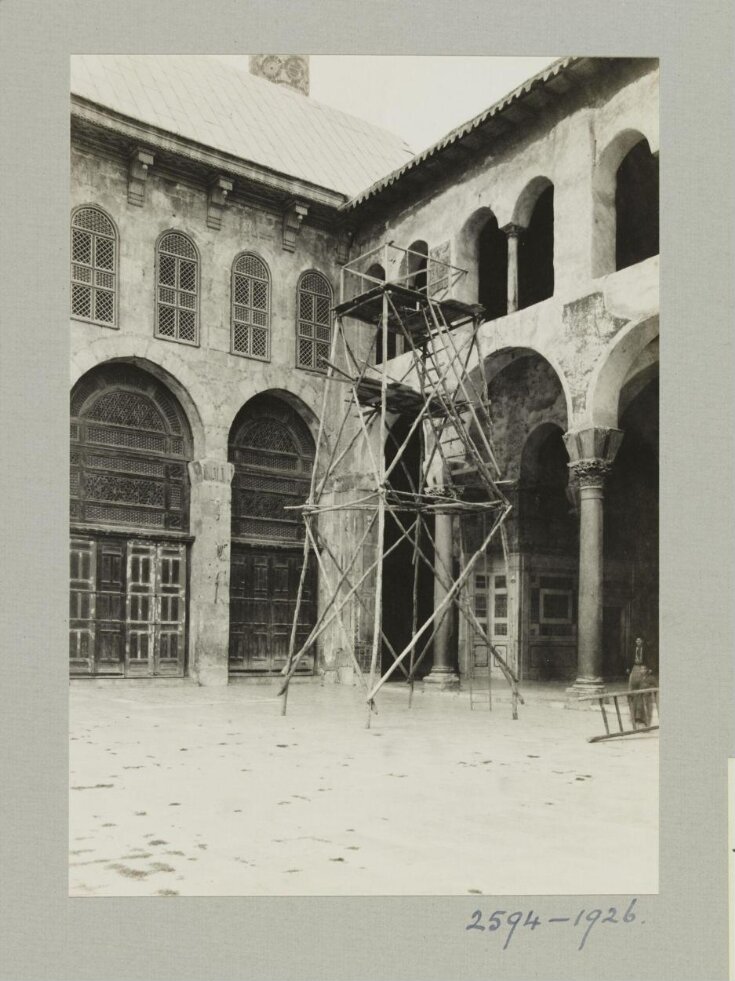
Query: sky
(420, 98)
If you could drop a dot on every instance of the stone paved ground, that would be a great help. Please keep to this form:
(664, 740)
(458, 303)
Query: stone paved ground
(182, 790)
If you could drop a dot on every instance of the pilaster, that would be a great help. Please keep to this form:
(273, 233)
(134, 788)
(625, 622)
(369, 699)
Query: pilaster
(209, 589)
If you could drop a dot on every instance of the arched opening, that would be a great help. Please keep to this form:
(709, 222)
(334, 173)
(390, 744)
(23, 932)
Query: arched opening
(376, 271)
(546, 506)
(398, 567)
(492, 270)
(536, 252)
(631, 523)
(636, 206)
(272, 450)
(129, 509)
(528, 607)
(418, 261)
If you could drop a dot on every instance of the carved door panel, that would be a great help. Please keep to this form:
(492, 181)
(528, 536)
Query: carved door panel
(168, 650)
(82, 596)
(141, 608)
(110, 607)
(263, 589)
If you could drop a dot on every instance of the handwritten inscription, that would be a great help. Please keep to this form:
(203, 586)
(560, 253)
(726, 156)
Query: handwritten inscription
(505, 924)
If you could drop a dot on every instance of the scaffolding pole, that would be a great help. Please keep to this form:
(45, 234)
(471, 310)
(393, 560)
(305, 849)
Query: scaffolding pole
(457, 475)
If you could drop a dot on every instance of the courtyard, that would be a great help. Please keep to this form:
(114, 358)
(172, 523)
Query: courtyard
(184, 790)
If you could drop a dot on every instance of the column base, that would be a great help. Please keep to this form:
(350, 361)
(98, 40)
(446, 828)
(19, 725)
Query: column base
(584, 687)
(441, 679)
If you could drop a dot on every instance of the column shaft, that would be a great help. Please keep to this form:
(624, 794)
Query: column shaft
(443, 672)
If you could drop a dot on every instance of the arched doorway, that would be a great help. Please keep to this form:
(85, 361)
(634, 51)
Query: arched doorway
(636, 206)
(272, 450)
(130, 443)
(398, 567)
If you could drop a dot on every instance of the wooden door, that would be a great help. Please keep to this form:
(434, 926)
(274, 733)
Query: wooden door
(263, 590)
(127, 612)
(82, 596)
(141, 599)
(168, 649)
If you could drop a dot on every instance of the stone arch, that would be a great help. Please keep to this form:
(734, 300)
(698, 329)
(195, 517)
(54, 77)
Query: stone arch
(602, 403)
(545, 503)
(515, 412)
(604, 181)
(417, 263)
(173, 373)
(271, 448)
(483, 252)
(526, 201)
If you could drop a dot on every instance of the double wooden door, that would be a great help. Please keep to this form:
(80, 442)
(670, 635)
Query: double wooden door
(263, 588)
(127, 614)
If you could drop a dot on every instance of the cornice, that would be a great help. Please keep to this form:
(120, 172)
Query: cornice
(209, 161)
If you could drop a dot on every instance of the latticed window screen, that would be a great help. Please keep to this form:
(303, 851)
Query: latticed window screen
(273, 453)
(178, 276)
(93, 281)
(314, 334)
(251, 307)
(129, 451)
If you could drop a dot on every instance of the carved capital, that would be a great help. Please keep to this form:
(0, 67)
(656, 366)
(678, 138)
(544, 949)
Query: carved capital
(219, 188)
(590, 473)
(512, 230)
(293, 214)
(212, 471)
(138, 165)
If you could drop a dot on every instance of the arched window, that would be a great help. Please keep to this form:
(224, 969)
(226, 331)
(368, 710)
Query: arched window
(636, 206)
(129, 445)
(418, 261)
(376, 271)
(93, 267)
(536, 253)
(178, 288)
(492, 270)
(314, 321)
(251, 307)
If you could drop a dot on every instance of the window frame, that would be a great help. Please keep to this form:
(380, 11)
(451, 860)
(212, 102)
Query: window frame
(298, 320)
(114, 291)
(269, 308)
(157, 303)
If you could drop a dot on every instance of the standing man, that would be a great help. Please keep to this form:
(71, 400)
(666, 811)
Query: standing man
(640, 677)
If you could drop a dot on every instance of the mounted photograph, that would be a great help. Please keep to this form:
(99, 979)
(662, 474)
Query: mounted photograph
(364, 455)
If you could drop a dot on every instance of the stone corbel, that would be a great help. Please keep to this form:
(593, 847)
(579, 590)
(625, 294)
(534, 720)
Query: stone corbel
(219, 188)
(293, 214)
(138, 165)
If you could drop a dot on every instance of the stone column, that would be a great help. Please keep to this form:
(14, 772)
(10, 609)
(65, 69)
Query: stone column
(591, 452)
(209, 590)
(514, 233)
(443, 674)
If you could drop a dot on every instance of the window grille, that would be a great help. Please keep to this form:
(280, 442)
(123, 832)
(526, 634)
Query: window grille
(93, 267)
(178, 287)
(129, 449)
(314, 319)
(251, 308)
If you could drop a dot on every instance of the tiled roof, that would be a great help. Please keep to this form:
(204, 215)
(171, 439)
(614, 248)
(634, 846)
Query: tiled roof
(457, 135)
(200, 98)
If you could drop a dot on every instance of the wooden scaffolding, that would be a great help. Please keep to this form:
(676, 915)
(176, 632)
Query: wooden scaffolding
(458, 472)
